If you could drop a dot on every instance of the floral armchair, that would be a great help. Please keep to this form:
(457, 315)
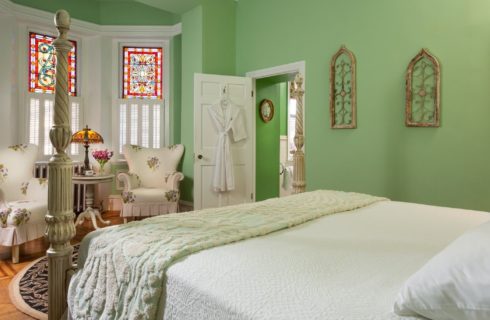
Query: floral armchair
(23, 198)
(151, 187)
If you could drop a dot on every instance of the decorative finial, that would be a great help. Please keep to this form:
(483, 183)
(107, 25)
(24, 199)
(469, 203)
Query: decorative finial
(62, 21)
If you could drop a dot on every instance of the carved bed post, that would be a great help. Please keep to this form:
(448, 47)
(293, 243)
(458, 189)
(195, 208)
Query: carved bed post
(60, 216)
(299, 179)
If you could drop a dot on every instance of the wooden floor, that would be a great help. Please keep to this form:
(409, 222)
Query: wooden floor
(29, 252)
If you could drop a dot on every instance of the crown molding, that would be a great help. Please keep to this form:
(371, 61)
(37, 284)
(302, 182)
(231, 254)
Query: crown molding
(142, 31)
(5, 6)
(29, 15)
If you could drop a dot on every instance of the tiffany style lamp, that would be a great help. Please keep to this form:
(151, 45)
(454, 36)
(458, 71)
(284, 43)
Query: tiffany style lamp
(86, 136)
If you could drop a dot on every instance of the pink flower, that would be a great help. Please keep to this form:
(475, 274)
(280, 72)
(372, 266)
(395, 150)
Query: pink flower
(102, 155)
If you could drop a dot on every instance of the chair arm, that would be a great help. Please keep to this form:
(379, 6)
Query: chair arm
(172, 181)
(36, 189)
(130, 180)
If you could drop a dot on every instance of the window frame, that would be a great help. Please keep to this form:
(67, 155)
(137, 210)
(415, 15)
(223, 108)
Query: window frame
(75, 93)
(117, 76)
(123, 60)
(25, 95)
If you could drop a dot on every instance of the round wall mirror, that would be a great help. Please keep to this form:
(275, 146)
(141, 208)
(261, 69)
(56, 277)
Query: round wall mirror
(266, 110)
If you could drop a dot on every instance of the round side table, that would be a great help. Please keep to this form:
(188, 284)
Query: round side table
(90, 182)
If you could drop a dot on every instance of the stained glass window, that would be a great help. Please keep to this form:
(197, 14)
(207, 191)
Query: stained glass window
(142, 73)
(42, 64)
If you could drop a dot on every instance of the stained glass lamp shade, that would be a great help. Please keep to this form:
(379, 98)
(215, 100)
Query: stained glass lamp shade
(86, 136)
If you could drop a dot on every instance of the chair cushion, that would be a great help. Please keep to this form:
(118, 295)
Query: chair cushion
(22, 221)
(153, 166)
(23, 212)
(16, 169)
(142, 195)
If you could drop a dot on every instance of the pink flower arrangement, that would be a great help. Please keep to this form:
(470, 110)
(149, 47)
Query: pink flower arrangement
(102, 156)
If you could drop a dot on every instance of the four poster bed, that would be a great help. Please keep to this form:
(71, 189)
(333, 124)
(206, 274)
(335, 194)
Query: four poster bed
(312, 255)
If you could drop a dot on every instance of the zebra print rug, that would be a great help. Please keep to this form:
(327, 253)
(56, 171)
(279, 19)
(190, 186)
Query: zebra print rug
(28, 290)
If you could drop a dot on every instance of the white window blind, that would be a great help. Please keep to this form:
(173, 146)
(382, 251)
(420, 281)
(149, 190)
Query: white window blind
(156, 125)
(48, 123)
(140, 123)
(134, 124)
(122, 125)
(40, 115)
(145, 125)
(75, 125)
(34, 118)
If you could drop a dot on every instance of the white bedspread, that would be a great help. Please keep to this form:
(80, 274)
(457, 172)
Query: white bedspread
(346, 266)
(124, 276)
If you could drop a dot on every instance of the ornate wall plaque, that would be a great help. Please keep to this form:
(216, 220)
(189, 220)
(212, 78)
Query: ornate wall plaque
(343, 90)
(423, 106)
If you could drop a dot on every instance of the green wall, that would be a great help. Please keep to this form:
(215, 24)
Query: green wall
(267, 142)
(219, 36)
(267, 145)
(191, 63)
(208, 42)
(448, 166)
(106, 12)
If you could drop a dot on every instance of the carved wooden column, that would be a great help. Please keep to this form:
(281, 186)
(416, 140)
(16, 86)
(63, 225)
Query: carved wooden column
(299, 179)
(60, 216)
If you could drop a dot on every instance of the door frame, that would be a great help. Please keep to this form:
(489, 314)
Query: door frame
(281, 70)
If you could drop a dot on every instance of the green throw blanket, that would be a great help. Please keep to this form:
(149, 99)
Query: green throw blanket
(124, 274)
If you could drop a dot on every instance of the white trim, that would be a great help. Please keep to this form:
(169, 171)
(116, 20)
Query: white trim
(153, 32)
(39, 17)
(285, 69)
(291, 68)
(6, 6)
(23, 81)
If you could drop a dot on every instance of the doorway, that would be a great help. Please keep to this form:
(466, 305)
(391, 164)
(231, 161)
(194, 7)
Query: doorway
(274, 139)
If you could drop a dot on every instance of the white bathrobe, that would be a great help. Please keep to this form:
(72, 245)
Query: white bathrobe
(226, 117)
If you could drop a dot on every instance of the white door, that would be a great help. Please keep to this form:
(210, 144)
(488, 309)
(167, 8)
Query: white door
(208, 92)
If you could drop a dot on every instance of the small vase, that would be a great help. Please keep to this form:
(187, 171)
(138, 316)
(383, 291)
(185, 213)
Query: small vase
(103, 167)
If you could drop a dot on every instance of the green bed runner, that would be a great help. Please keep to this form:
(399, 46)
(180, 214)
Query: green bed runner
(124, 274)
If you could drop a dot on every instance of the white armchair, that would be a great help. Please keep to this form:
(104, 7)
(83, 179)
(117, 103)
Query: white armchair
(151, 187)
(23, 198)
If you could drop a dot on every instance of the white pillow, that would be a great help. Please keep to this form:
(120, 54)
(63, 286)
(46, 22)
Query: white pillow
(454, 284)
